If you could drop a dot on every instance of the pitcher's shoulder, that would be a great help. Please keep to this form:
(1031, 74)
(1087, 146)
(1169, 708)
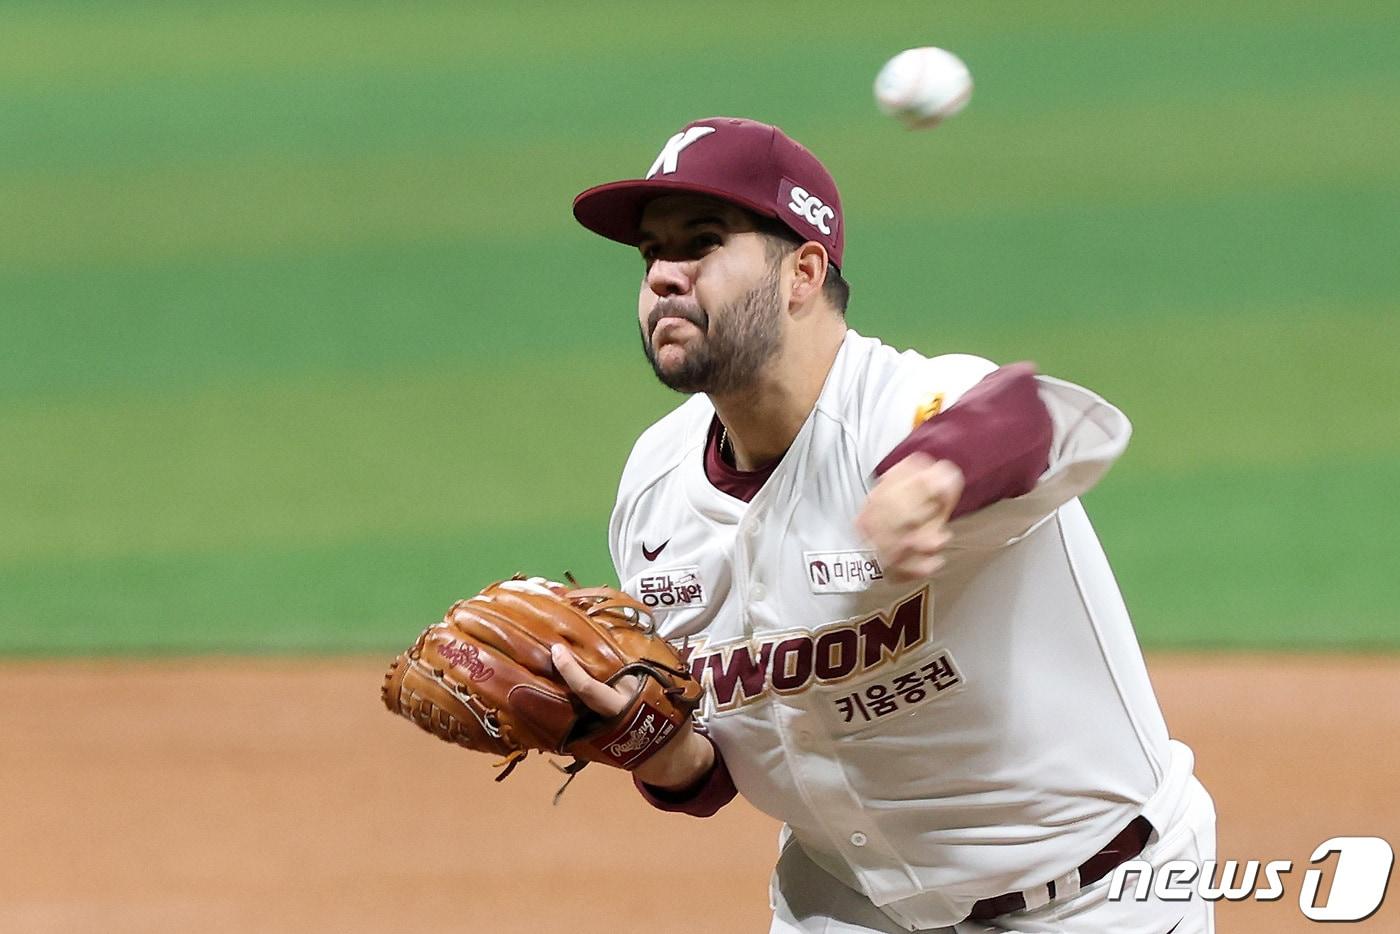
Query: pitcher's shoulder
(876, 379)
(666, 442)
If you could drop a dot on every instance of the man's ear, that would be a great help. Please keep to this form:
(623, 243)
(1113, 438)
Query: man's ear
(809, 274)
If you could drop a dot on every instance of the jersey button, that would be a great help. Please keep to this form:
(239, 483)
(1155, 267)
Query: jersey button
(857, 839)
(758, 592)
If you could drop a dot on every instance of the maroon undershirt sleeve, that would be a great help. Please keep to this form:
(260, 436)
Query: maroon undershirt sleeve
(711, 791)
(998, 434)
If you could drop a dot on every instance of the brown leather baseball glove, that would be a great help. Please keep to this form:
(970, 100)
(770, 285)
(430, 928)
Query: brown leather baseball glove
(483, 677)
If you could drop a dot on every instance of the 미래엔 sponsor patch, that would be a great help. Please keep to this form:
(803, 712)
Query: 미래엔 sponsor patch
(842, 571)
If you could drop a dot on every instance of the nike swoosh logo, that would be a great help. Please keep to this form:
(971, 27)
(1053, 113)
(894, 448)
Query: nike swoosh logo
(1175, 926)
(651, 553)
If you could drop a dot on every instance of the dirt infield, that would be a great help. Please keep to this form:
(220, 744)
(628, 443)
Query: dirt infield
(272, 796)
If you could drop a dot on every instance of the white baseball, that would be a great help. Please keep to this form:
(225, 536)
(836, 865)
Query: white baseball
(924, 86)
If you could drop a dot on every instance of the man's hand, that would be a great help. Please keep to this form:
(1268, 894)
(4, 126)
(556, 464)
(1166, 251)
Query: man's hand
(906, 516)
(683, 761)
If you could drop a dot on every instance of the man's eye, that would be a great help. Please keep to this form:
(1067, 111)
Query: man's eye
(697, 245)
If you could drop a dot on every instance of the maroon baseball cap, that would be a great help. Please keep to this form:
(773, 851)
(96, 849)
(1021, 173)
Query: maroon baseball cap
(751, 164)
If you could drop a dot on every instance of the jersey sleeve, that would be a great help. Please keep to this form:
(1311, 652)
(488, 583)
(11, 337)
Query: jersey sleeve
(1089, 435)
(657, 452)
(617, 531)
(998, 434)
(629, 489)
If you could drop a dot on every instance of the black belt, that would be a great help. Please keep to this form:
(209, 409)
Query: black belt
(1128, 844)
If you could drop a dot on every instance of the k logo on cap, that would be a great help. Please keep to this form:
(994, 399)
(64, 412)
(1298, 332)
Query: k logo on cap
(670, 154)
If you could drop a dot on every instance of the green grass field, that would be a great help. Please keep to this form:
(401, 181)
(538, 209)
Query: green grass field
(299, 341)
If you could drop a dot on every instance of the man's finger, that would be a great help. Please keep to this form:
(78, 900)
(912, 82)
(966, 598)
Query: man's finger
(916, 463)
(926, 567)
(599, 697)
(929, 540)
(942, 486)
(914, 569)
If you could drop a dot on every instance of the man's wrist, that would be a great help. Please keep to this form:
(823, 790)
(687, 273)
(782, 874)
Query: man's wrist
(711, 790)
(682, 765)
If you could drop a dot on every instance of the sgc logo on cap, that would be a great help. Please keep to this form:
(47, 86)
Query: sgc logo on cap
(811, 209)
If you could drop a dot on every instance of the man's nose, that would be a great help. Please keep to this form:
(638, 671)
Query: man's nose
(667, 278)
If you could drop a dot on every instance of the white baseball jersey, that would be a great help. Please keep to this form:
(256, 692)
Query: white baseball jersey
(928, 745)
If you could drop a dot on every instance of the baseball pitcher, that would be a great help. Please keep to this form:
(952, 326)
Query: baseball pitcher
(875, 605)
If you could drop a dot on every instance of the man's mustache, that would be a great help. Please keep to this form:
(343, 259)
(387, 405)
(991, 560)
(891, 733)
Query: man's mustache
(672, 308)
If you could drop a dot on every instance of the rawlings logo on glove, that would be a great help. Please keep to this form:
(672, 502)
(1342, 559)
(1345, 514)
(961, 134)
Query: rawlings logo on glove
(483, 677)
(467, 658)
(636, 739)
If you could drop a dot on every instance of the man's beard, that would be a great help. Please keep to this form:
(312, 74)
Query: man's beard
(735, 345)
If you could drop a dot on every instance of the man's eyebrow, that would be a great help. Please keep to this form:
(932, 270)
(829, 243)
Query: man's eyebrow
(644, 235)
